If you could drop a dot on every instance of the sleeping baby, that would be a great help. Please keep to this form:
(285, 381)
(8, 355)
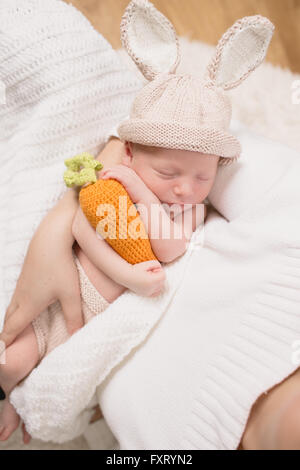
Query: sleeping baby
(151, 176)
(174, 140)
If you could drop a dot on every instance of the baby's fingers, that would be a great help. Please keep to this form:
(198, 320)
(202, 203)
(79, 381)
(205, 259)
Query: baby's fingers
(150, 265)
(156, 269)
(158, 290)
(158, 274)
(114, 174)
(156, 293)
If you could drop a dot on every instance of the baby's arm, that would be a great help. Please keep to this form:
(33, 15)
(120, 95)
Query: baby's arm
(169, 238)
(143, 278)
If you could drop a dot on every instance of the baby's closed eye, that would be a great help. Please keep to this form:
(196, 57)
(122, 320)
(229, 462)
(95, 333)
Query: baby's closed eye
(203, 178)
(166, 174)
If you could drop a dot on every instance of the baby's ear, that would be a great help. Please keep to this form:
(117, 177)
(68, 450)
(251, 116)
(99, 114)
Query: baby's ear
(150, 39)
(240, 51)
(127, 154)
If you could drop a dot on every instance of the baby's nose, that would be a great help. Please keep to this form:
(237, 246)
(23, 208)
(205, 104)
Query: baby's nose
(183, 189)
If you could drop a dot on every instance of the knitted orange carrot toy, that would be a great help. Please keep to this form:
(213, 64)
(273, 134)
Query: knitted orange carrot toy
(109, 209)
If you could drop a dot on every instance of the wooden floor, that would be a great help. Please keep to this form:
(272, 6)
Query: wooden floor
(207, 20)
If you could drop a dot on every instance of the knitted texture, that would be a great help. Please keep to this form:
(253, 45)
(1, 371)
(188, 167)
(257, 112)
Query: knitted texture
(233, 313)
(221, 333)
(118, 222)
(74, 175)
(248, 29)
(228, 326)
(66, 91)
(184, 112)
(143, 30)
(98, 347)
(164, 114)
(50, 326)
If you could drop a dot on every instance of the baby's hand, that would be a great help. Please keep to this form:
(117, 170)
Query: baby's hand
(131, 181)
(148, 278)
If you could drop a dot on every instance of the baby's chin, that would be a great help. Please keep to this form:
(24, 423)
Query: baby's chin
(183, 204)
(180, 208)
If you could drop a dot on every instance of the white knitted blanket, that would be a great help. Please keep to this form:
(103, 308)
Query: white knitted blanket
(50, 115)
(66, 89)
(260, 197)
(53, 399)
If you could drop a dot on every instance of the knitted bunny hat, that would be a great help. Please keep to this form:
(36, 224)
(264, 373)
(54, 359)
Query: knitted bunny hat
(183, 111)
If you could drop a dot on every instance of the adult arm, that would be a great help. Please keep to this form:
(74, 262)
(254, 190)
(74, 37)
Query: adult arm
(49, 272)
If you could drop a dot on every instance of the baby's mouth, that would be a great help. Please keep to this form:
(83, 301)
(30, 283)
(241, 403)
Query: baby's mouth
(181, 204)
(171, 203)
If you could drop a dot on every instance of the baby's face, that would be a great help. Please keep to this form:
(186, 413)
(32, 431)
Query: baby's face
(174, 176)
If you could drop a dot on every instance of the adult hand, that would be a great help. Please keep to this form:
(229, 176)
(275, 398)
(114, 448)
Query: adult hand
(48, 274)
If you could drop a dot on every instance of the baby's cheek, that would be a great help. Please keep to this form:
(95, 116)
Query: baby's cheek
(164, 191)
(203, 192)
(157, 187)
(209, 186)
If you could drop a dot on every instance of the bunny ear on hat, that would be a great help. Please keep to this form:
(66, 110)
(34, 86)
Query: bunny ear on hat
(150, 39)
(240, 51)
